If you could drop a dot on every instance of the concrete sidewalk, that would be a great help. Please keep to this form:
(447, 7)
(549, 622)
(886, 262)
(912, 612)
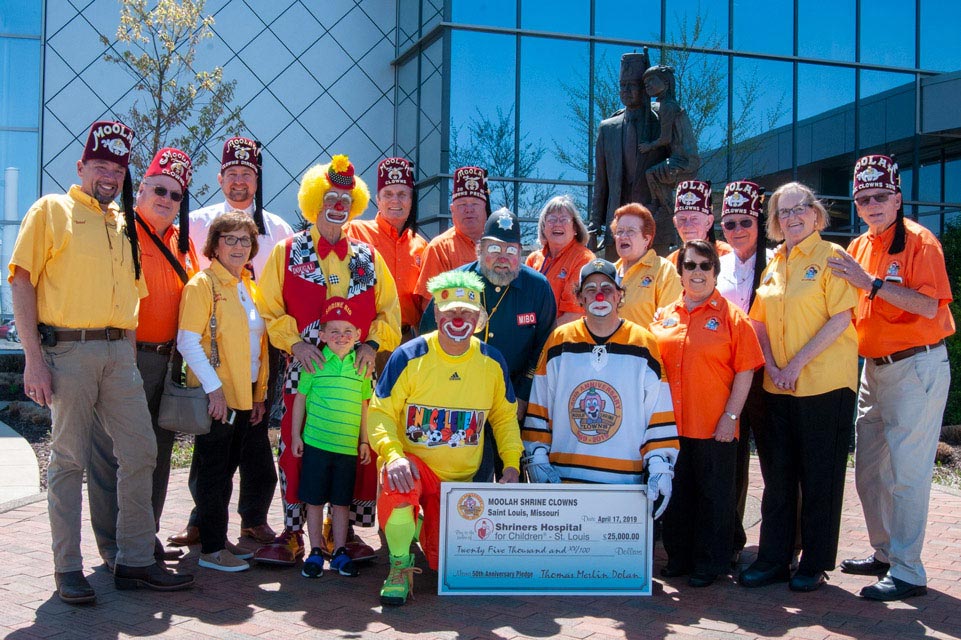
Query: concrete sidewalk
(277, 603)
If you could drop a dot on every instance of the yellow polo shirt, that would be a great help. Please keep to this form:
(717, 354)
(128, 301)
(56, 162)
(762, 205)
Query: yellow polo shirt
(797, 296)
(80, 263)
(282, 328)
(651, 283)
(233, 333)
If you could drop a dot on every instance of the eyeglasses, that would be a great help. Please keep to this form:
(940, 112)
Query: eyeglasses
(163, 192)
(690, 265)
(793, 211)
(626, 233)
(231, 241)
(880, 198)
(496, 248)
(731, 225)
(557, 219)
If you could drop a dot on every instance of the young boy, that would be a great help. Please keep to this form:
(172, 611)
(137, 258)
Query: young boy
(334, 400)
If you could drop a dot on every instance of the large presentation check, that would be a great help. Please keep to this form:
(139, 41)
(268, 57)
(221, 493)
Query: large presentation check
(533, 539)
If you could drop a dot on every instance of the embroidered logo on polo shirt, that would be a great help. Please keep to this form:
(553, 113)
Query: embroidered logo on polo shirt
(454, 376)
(712, 324)
(669, 322)
(894, 268)
(811, 272)
(562, 274)
(646, 281)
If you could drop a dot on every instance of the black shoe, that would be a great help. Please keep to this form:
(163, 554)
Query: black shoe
(890, 588)
(761, 574)
(674, 571)
(161, 555)
(701, 579)
(869, 566)
(154, 577)
(806, 583)
(73, 588)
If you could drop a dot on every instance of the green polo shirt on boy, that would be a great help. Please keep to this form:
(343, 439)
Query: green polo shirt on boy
(335, 393)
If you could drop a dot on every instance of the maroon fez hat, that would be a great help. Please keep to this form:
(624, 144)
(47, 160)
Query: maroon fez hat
(693, 196)
(173, 163)
(109, 140)
(392, 171)
(338, 309)
(470, 182)
(241, 152)
(877, 172)
(742, 197)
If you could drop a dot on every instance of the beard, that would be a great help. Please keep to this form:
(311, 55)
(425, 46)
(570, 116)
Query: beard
(104, 195)
(496, 278)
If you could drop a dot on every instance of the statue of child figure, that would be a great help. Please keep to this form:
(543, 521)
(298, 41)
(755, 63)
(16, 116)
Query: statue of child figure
(677, 135)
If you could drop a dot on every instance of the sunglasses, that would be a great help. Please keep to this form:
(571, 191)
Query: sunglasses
(880, 198)
(164, 192)
(731, 225)
(690, 265)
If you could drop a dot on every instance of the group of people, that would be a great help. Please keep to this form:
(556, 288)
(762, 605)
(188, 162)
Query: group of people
(394, 364)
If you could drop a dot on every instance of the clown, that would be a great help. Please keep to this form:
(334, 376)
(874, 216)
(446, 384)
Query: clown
(300, 275)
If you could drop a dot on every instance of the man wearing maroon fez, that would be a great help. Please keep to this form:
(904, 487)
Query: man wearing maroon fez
(902, 320)
(241, 181)
(76, 282)
(469, 209)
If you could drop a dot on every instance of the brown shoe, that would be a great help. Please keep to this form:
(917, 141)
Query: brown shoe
(189, 536)
(73, 588)
(154, 577)
(262, 533)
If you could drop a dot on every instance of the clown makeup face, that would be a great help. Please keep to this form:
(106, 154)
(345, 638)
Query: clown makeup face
(458, 323)
(340, 336)
(336, 207)
(599, 296)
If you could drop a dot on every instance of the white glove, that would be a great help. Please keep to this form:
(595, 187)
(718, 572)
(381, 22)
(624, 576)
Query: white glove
(659, 480)
(539, 468)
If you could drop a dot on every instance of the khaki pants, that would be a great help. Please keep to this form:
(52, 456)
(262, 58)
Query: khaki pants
(98, 399)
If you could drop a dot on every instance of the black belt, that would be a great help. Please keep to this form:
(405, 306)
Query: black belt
(83, 335)
(163, 348)
(898, 356)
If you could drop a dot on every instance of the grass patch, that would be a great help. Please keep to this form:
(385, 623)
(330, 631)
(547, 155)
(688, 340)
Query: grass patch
(183, 452)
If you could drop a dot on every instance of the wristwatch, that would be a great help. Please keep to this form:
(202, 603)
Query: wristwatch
(732, 416)
(875, 287)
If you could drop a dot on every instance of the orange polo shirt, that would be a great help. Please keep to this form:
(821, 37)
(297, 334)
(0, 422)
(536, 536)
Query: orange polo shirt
(702, 351)
(883, 328)
(720, 246)
(563, 272)
(403, 253)
(447, 251)
(160, 309)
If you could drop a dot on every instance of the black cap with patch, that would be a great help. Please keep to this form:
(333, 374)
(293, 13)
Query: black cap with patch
(599, 266)
(502, 225)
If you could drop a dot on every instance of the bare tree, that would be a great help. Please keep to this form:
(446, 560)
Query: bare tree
(176, 104)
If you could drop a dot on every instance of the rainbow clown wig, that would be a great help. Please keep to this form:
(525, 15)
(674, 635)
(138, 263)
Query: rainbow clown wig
(320, 178)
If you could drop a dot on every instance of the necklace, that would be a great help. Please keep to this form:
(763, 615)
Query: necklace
(490, 314)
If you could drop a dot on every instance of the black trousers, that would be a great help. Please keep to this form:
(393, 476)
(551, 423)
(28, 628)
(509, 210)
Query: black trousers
(216, 458)
(804, 445)
(699, 521)
(752, 419)
(258, 473)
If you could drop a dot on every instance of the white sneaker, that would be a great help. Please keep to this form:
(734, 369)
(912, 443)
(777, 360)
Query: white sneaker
(239, 551)
(222, 560)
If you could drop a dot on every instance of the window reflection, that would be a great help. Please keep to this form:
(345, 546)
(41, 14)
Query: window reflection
(766, 26)
(940, 26)
(826, 29)
(636, 20)
(495, 13)
(559, 16)
(887, 34)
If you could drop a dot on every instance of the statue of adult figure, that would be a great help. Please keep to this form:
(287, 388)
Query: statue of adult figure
(676, 136)
(619, 174)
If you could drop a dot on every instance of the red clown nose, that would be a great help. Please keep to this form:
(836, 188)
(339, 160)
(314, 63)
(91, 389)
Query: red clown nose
(599, 297)
(457, 322)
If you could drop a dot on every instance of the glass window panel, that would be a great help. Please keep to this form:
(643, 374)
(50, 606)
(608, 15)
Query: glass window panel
(554, 128)
(887, 33)
(761, 130)
(408, 15)
(952, 181)
(20, 16)
(559, 16)
(19, 149)
(766, 26)
(929, 183)
(697, 23)
(407, 109)
(702, 93)
(887, 108)
(431, 99)
(496, 13)
(637, 20)
(940, 26)
(826, 29)
(19, 82)
(478, 134)
(825, 128)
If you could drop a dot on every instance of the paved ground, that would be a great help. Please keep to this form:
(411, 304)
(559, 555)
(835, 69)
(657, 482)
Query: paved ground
(278, 603)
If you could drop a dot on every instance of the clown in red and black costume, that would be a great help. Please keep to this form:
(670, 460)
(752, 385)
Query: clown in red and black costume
(300, 275)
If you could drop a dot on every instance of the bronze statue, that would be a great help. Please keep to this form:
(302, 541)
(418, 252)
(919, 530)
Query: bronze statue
(620, 169)
(677, 137)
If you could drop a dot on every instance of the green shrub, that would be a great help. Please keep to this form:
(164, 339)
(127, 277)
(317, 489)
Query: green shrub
(951, 241)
